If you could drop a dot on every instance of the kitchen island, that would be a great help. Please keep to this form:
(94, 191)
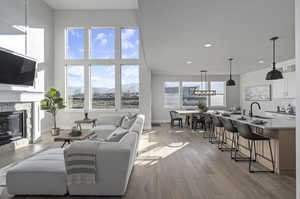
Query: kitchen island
(281, 129)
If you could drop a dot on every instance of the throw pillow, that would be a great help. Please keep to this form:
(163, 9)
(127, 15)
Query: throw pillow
(116, 137)
(115, 132)
(127, 122)
(119, 123)
(134, 116)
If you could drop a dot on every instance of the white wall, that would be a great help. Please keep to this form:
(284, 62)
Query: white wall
(258, 78)
(161, 114)
(40, 45)
(100, 18)
(297, 23)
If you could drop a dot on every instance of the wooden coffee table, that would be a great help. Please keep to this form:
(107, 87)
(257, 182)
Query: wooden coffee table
(66, 138)
(86, 121)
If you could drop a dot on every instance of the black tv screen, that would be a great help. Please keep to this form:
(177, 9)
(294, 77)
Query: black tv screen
(16, 69)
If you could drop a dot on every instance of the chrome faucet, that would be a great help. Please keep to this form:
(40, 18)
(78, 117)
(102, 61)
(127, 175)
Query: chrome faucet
(251, 110)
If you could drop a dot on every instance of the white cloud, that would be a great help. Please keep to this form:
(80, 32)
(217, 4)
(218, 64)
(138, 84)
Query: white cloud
(76, 32)
(127, 41)
(75, 70)
(127, 33)
(130, 74)
(126, 44)
(102, 82)
(102, 38)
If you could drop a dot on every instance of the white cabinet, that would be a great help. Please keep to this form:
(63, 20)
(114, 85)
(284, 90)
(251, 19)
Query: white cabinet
(286, 87)
(291, 81)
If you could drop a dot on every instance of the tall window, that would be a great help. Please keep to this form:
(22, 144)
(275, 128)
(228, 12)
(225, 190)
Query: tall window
(75, 43)
(130, 86)
(102, 43)
(219, 99)
(103, 87)
(188, 98)
(171, 93)
(130, 43)
(108, 75)
(75, 87)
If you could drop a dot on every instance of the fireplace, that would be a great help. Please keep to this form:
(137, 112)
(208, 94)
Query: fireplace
(12, 126)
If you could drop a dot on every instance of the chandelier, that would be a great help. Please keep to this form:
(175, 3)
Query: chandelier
(202, 91)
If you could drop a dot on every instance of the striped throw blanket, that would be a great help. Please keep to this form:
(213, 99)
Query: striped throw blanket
(80, 161)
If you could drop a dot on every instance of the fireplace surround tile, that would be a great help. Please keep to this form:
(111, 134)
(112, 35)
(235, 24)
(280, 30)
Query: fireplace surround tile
(19, 106)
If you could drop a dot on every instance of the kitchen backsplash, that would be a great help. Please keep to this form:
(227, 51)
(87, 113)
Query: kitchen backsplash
(258, 78)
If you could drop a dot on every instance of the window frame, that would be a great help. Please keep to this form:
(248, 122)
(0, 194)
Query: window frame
(66, 88)
(90, 43)
(91, 91)
(179, 96)
(120, 103)
(181, 106)
(87, 62)
(66, 43)
(224, 95)
(120, 44)
(187, 107)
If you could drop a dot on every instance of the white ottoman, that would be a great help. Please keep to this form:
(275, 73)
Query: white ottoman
(42, 174)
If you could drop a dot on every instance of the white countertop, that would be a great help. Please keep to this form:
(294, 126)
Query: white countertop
(275, 122)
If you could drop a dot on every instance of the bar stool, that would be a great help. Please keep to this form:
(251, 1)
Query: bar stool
(207, 126)
(245, 132)
(229, 127)
(216, 130)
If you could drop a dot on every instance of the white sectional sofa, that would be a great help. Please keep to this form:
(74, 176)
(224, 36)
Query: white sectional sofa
(45, 173)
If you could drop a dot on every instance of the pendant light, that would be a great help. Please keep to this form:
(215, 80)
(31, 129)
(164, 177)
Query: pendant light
(274, 74)
(201, 91)
(230, 82)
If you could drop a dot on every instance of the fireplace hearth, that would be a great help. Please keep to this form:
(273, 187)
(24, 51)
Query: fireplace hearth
(12, 126)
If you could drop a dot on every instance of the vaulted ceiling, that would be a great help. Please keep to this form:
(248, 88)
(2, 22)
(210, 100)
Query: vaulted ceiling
(175, 32)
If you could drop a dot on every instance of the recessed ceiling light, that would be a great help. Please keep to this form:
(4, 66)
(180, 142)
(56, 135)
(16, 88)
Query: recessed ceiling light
(261, 61)
(189, 62)
(207, 45)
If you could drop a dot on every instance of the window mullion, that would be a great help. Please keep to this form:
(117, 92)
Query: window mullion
(118, 87)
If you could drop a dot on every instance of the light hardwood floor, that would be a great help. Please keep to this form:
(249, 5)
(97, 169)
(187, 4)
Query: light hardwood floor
(178, 163)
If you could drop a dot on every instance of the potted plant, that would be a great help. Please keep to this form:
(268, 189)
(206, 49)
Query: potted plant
(201, 105)
(52, 103)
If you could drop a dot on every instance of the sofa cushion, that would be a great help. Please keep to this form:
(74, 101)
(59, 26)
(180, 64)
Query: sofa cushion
(117, 135)
(42, 174)
(105, 127)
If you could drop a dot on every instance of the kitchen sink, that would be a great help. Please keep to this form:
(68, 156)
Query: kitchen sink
(262, 117)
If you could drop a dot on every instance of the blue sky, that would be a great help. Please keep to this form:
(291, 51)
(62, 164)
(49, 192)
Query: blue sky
(103, 77)
(130, 43)
(103, 47)
(75, 41)
(103, 43)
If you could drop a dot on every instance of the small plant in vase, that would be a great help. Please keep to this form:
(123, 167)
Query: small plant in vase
(201, 105)
(52, 103)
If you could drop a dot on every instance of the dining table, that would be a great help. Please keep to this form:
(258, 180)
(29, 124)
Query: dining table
(188, 114)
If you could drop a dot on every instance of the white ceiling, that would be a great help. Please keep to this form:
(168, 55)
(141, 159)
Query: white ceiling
(92, 4)
(174, 31)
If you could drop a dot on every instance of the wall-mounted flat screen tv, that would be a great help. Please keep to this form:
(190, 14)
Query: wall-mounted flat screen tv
(16, 69)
